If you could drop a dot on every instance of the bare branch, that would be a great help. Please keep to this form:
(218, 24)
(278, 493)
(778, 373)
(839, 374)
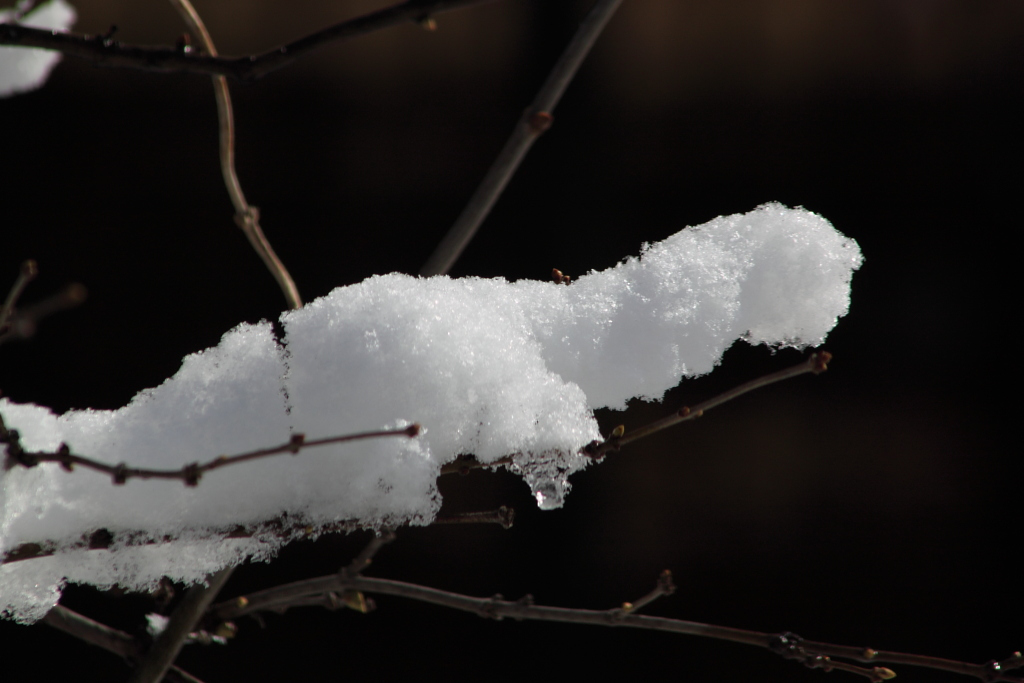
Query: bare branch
(21, 324)
(813, 654)
(246, 217)
(816, 363)
(191, 473)
(665, 586)
(504, 516)
(186, 615)
(103, 51)
(28, 272)
(535, 120)
(364, 558)
(93, 632)
(105, 638)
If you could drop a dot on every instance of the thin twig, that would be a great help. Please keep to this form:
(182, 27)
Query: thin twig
(191, 473)
(22, 324)
(93, 632)
(106, 638)
(101, 50)
(816, 363)
(810, 653)
(246, 217)
(364, 558)
(503, 516)
(28, 272)
(161, 655)
(535, 120)
(665, 586)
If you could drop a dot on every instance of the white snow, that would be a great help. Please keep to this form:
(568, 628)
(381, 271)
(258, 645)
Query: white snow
(24, 69)
(488, 367)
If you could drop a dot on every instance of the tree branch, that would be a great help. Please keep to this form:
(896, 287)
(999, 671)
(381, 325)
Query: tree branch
(186, 615)
(246, 217)
(191, 473)
(535, 120)
(21, 324)
(816, 363)
(105, 638)
(817, 655)
(103, 51)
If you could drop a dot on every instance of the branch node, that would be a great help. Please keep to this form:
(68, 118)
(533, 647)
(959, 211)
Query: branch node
(489, 609)
(355, 600)
(191, 473)
(787, 645)
(226, 630)
(295, 443)
(665, 583)
(592, 450)
(869, 653)
(525, 601)
(819, 361)
(540, 121)
(506, 517)
(120, 473)
(427, 23)
(64, 452)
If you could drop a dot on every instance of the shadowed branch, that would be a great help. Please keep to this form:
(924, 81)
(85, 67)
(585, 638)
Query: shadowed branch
(813, 654)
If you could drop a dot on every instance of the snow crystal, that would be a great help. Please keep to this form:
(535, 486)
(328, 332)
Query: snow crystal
(24, 69)
(487, 367)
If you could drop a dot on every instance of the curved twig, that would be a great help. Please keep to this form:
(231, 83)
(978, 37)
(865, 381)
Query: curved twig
(247, 217)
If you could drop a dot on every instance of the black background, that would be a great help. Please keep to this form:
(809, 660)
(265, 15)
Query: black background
(873, 505)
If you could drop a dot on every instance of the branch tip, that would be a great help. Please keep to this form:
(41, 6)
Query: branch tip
(29, 270)
(427, 23)
(413, 430)
(882, 673)
(819, 361)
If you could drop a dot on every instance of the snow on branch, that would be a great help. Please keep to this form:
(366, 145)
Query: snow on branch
(24, 70)
(487, 367)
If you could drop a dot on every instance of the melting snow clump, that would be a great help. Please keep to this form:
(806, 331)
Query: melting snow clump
(487, 367)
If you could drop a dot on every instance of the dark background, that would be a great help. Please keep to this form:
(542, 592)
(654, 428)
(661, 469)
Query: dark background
(874, 505)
